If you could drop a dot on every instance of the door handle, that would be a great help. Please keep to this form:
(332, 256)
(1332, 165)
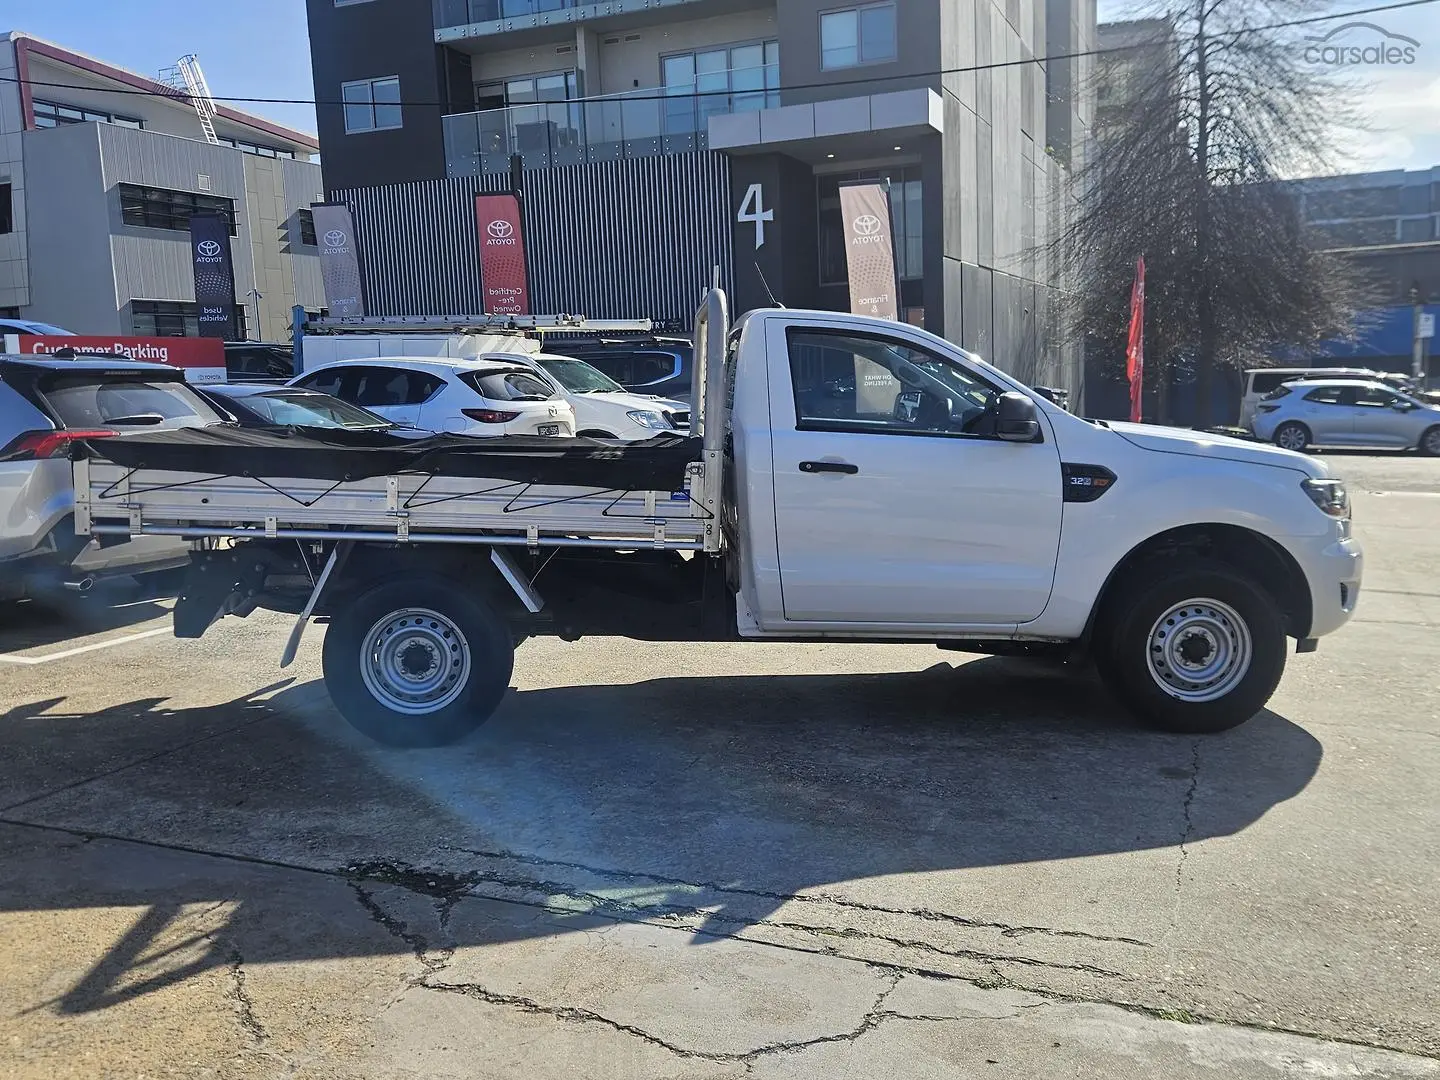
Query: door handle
(829, 466)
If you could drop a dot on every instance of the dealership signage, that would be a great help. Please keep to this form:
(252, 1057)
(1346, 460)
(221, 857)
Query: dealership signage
(214, 274)
(203, 359)
(339, 259)
(870, 250)
(502, 255)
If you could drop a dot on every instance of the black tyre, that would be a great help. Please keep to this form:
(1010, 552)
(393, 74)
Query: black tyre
(1192, 649)
(1291, 435)
(417, 662)
(1429, 443)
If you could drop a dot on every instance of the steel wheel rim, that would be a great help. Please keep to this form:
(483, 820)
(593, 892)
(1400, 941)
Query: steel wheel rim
(415, 661)
(1291, 438)
(1199, 650)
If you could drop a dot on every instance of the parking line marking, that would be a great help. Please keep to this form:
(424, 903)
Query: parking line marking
(7, 659)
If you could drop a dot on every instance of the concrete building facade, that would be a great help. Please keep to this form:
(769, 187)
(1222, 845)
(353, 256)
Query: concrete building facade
(952, 101)
(99, 170)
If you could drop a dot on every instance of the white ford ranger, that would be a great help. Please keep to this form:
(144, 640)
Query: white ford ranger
(849, 479)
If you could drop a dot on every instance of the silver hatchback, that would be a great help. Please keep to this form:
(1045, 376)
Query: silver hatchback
(47, 404)
(1336, 412)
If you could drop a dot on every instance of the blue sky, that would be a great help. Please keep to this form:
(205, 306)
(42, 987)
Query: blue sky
(257, 48)
(248, 48)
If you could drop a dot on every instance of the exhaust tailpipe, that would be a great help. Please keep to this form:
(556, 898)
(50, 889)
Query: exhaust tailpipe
(84, 585)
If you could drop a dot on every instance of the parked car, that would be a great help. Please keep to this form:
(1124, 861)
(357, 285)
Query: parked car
(651, 365)
(1255, 383)
(458, 396)
(1341, 412)
(603, 408)
(259, 361)
(265, 405)
(47, 403)
(31, 328)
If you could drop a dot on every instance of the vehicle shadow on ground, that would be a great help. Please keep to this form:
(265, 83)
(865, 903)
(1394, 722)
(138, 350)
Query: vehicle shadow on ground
(719, 796)
(54, 618)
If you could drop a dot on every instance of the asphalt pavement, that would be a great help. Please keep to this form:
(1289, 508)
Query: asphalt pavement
(712, 861)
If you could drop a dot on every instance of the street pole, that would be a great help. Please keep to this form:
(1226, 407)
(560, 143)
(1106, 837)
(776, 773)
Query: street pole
(1417, 342)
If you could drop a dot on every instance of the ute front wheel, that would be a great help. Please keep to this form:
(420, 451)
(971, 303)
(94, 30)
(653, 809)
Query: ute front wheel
(1192, 650)
(417, 662)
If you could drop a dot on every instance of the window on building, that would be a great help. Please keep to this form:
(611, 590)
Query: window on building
(162, 208)
(738, 78)
(7, 208)
(1417, 230)
(174, 318)
(49, 114)
(372, 104)
(259, 149)
(905, 213)
(857, 35)
(307, 227)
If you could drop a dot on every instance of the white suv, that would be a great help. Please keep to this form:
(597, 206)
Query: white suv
(603, 408)
(449, 395)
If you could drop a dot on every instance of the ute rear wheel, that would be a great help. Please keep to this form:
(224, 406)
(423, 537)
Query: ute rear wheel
(1292, 435)
(417, 662)
(1192, 650)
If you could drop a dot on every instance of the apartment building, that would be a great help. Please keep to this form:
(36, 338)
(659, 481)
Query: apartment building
(657, 140)
(100, 169)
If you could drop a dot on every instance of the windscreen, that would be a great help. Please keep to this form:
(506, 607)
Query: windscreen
(89, 401)
(577, 376)
(509, 385)
(290, 408)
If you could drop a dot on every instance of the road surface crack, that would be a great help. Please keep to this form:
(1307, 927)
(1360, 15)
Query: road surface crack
(1187, 828)
(244, 1005)
(1006, 929)
(432, 960)
(876, 1015)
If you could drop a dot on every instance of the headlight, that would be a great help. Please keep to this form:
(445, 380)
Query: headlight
(649, 419)
(1329, 495)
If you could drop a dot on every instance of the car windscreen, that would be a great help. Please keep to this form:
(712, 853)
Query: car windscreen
(577, 376)
(113, 400)
(296, 408)
(516, 385)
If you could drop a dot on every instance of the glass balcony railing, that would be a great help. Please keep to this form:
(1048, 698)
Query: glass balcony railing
(640, 123)
(464, 12)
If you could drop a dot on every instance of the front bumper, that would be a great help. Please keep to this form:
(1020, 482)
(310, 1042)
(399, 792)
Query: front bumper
(1333, 567)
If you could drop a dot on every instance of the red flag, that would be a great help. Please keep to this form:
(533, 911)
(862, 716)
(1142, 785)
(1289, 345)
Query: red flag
(1135, 346)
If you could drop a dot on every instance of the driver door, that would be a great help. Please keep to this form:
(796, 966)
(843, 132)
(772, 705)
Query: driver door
(895, 504)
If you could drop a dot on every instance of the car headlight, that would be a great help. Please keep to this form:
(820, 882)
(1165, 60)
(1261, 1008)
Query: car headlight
(649, 419)
(1329, 495)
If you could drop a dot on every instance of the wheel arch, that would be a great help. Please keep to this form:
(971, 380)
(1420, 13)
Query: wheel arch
(1252, 553)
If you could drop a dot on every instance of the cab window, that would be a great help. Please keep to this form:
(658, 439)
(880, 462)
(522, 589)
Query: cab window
(862, 382)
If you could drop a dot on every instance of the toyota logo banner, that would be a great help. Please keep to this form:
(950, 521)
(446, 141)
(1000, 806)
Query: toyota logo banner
(502, 255)
(870, 249)
(214, 275)
(339, 260)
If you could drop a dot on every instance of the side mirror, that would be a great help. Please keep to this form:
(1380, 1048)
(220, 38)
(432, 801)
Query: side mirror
(1403, 406)
(1016, 419)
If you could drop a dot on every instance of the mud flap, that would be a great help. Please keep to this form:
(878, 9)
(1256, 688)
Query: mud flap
(216, 584)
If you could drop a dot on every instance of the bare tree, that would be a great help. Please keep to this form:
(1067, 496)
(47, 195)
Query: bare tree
(1212, 109)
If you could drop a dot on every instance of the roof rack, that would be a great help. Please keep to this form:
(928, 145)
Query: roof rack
(475, 324)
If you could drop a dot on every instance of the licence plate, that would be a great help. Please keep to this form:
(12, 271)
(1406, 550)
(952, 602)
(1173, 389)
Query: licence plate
(549, 429)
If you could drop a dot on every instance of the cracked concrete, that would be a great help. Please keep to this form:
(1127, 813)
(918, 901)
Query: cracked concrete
(798, 861)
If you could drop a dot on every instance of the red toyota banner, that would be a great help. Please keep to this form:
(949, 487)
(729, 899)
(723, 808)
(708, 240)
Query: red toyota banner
(1135, 345)
(502, 255)
(203, 359)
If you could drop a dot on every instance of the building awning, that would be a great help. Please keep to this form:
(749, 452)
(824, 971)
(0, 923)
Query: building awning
(878, 119)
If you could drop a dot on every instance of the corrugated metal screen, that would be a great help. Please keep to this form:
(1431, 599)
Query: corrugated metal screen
(635, 238)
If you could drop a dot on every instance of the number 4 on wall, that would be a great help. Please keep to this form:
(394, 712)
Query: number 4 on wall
(753, 209)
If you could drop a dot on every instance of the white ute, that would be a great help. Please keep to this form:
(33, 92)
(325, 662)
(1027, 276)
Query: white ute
(851, 480)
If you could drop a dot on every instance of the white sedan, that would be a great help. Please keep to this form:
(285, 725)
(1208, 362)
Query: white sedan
(603, 408)
(451, 395)
(1339, 412)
